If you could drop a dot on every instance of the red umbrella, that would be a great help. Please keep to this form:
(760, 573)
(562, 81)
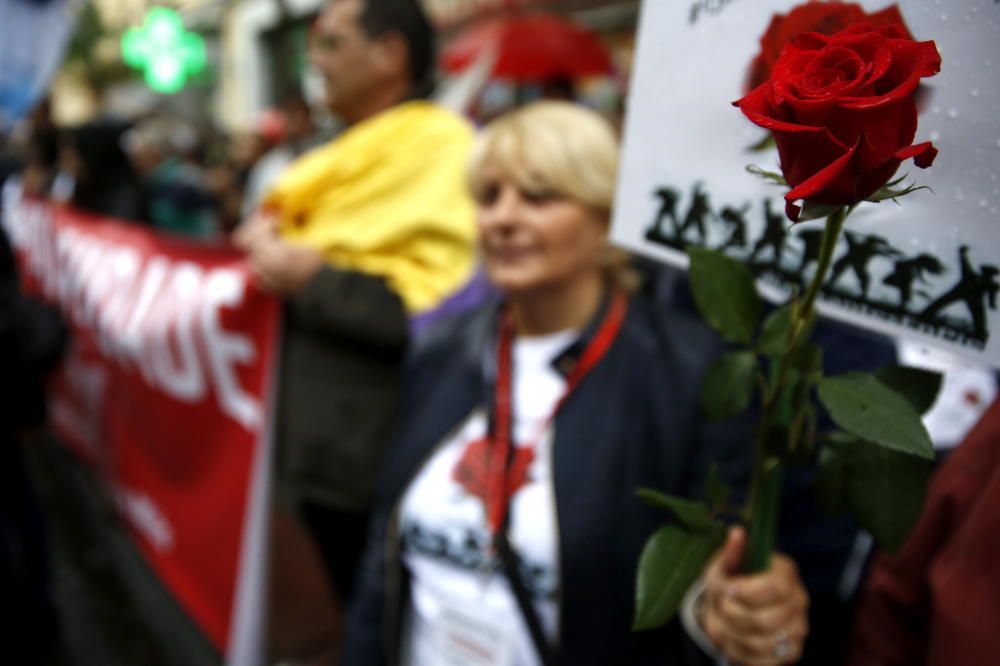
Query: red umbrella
(531, 47)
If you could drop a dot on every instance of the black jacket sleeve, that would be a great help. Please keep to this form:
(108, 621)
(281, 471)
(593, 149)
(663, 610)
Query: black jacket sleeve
(353, 306)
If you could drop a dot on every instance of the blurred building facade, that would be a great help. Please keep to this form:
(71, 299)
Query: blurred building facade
(262, 44)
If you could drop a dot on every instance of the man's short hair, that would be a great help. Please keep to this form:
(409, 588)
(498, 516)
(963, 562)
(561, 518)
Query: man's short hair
(407, 17)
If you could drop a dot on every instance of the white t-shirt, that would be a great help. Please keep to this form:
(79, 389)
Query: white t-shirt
(462, 611)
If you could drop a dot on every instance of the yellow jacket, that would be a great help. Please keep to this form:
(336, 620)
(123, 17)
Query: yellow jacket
(388, 197)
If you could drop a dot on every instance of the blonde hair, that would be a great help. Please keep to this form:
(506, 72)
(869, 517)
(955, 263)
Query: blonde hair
(550, 146)
(555, 147)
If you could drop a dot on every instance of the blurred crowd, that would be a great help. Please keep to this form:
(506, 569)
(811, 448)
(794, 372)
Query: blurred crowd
(156, 169)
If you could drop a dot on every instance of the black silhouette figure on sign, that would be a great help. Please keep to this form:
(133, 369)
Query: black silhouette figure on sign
(698, 213)
(773, 237)
(735, 221)
(860, 251)
(812, 243)
(668, 209)
(974, 289)
(906, 272)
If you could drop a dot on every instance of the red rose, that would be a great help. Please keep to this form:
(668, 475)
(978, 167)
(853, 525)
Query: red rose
(827, 18)
(842, 112)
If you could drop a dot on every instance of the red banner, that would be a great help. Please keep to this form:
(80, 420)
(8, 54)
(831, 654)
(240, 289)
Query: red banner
(165, 389)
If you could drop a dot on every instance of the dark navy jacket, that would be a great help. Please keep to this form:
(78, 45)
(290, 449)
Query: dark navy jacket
(633, 422)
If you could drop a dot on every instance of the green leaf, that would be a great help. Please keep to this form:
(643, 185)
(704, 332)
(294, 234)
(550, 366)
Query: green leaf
(770, 176)
(773, 340)
(896, 181)
(766, 143)
(919, 387)
(728, 385)
(864, 406)
(671, 561)
(725, 293)
(886, 489)
(889, 192)
(785, 404)
(693, 515)
(807, 360)
(717, 491)
(830, 486)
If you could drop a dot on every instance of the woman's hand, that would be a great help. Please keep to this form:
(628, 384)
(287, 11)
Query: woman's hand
(759, 619)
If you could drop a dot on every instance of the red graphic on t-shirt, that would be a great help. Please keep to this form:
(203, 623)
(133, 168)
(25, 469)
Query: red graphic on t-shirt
(473, 469)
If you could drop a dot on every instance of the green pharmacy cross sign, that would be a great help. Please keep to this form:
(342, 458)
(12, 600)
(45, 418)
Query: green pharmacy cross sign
(165, 52)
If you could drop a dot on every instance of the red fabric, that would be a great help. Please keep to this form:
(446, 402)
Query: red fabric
(938, 601)
(533, 47)
(164, 389)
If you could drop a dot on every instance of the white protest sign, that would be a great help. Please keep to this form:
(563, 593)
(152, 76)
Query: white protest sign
(900, 269)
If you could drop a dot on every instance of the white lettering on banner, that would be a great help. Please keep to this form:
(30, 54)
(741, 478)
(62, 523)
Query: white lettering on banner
(142, 512)
(177, 366)
(159, 316)
(225, 289)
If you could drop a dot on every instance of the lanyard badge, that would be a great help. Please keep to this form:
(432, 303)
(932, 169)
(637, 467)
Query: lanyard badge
(500, 484)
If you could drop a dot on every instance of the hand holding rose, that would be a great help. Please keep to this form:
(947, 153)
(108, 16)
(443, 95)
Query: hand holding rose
(755, 620)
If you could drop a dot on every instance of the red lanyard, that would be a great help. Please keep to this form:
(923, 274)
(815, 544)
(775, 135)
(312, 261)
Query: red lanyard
(499, 487)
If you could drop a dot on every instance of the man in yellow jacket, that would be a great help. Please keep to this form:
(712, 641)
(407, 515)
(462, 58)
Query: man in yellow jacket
(358, 235)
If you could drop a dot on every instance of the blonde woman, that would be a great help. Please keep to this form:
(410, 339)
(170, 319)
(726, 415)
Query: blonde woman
(510, 531)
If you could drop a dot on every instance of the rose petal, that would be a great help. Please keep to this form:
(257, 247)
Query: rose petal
(758, 108)
(890, 18)
(823, 181)
(923, 154)
(885, 130)
(792, 210)
(911, 61)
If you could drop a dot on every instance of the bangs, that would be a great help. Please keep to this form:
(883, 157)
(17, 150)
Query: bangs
(548, 148)
(505, 152)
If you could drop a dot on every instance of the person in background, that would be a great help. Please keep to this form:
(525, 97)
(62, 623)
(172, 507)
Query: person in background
(176, 200)
(97, 174)
(508, 528)
(357, 236)
(299, 134)
(937, 601)
(32, 339)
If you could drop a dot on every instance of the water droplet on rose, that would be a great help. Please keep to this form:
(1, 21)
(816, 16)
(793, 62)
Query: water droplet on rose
(974, 92)
(953, 113)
